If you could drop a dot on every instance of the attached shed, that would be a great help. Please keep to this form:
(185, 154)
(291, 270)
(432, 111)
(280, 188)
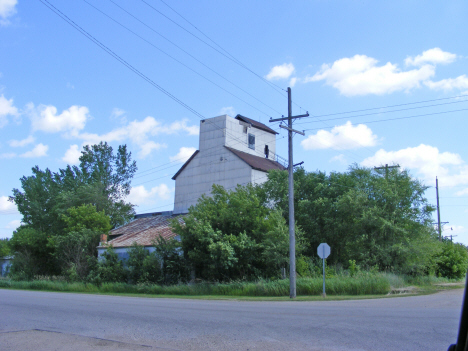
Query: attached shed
(143, 230)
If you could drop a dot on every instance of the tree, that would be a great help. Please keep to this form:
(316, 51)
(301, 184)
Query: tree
(226, 236)
(71, 200)
(452, 260)
(4, 247)
(362, 215)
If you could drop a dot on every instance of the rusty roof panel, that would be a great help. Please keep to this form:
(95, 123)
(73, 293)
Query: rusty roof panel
(144, 231)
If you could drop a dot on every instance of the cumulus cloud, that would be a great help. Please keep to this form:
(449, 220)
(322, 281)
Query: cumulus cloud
(433, 56)
(13, 224)
(139, 133)
(72, 155)
(360, 75)
(40, 150)
(341, 137)
(20, 143)
(6, 205)
(227, 111)
(462, 192)
(6, 109)
(283, 71)
(460, 82)
(8, 155)
(183, 155)
(427, 161)
(140, 196)
(45, 118)
(339, 158)
(7, 9)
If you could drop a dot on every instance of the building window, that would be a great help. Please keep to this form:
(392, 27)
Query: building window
(245, 130)
(267, 151)
(252, 141)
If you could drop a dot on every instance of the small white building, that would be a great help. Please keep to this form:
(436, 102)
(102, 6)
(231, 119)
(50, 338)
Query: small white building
(232, 151)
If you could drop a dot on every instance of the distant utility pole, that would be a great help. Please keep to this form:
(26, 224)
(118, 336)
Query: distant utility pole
(439, 223)
(386, 169)
(292, 238)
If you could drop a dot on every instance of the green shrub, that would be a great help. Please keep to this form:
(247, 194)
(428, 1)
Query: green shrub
(452, 262)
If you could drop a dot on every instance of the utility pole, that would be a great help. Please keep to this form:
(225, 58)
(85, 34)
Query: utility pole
(292, 237)
(386, 169)
(438, 210)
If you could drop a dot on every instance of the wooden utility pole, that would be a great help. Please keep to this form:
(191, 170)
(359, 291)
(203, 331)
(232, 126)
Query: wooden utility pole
(292, 237)
(439, 228)
(386, 169)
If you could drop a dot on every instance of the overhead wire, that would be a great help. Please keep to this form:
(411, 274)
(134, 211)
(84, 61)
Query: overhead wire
(180, 62)
(227, 55)
(186, 52)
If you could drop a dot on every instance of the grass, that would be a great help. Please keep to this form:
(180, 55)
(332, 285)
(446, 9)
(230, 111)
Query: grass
(363, 285)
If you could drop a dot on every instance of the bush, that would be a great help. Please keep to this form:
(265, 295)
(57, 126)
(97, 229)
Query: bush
(452, 261)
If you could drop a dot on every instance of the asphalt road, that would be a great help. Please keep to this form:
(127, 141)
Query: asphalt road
(60, 321)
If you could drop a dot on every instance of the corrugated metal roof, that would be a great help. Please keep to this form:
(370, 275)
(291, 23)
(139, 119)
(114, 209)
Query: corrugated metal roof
(256, 124)
(256, 162)
(144, 231)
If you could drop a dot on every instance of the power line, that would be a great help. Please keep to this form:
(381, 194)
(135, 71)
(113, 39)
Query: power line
(399, 118)
(184, 51)
(382, 112)
(228, 56)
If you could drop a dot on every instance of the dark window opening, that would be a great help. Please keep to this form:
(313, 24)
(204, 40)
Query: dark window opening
(267, 151)
(252, 141)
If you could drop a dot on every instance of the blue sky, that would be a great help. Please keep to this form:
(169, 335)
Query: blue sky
(385, 82)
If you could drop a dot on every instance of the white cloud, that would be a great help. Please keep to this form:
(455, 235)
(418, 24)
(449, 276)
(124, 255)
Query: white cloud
(341, 137)
(8, 155)
(434, 56)
(7, 9)
(360, 75)
(462, 192)
(14, 224)
(6, 205)
(283, 71)
(20, 143)
(460, 82)
(293, 82)
(140, 196)
(183, 155)
(228, 111)
(427, 161)
(45, 118)
(72, 155)
(339, 158)
(40, 150)
(6, 108)
(139, 133)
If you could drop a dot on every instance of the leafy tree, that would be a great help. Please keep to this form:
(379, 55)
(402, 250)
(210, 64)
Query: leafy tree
(32, 253)
(226, 236)
(452, 260)
(86, 217)
(363, 215)
(174, 267)
(75, 253)
(102, 179)
(4, 247)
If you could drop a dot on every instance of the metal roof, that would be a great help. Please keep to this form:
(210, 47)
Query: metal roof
(144, 231)
(256, 162)
(256, 124)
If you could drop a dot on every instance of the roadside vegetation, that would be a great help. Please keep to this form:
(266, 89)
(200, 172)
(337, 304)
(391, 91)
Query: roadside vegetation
(234, 242)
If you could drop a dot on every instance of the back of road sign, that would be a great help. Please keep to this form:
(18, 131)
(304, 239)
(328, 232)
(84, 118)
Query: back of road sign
(323, 250)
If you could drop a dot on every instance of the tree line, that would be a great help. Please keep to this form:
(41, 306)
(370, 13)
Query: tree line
(371, 220)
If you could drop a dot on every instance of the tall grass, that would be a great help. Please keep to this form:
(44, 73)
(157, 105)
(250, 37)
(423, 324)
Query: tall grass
(363, 284)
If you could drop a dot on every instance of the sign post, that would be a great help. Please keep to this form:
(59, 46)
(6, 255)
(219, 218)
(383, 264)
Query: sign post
(323, 250)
